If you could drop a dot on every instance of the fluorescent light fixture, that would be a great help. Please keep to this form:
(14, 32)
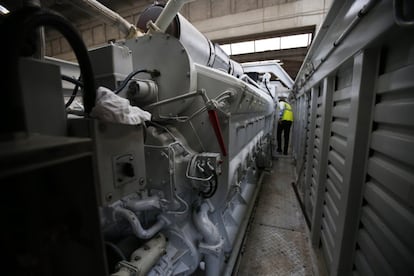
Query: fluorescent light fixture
(3, 10)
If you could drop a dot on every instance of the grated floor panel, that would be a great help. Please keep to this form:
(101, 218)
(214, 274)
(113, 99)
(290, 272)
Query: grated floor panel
(277, 243)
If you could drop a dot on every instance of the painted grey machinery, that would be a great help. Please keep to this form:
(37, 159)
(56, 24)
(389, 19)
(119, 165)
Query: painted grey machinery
(174, 194)
(199, 47)
(204, 149)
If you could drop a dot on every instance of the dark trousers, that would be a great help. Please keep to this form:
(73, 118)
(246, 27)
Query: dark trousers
(283, 126)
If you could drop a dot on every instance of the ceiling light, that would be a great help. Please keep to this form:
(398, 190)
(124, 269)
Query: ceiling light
(3, 10)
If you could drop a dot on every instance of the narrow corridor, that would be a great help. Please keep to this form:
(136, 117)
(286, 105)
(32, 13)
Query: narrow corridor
(277, 242)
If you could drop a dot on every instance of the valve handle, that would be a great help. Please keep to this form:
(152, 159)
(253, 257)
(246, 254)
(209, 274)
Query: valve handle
(212, 114)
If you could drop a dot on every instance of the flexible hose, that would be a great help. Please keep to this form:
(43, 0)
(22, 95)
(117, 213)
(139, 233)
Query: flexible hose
(15, 28)
(128, 78)
(72, 80)
(75, 90)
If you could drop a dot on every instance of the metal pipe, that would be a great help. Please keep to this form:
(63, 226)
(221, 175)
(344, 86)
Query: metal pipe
(174, 99)
(113, 18)
(136, 226)
(167, 15)
(270, 66)
(365, 9)
(149, 203)
(205, 226)
(249, 80)
(144, 258)
(213, 249)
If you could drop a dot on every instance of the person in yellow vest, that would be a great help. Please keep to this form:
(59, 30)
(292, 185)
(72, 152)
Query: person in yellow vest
(284, 124)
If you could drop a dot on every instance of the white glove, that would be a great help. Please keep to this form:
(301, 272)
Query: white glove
(110, 107)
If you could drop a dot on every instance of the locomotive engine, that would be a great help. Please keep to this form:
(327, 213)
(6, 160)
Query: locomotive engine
(207, 141)
(175, 192)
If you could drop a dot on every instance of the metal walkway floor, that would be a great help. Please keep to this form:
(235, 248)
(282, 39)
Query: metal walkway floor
(277, 242)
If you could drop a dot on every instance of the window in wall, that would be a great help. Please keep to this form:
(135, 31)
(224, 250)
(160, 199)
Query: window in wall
(226, 48)
(294, 41)
(242, 48)
(268, 44)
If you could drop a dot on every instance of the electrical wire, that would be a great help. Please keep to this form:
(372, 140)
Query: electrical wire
(211, 179)
(77, 83)
(16, 28)
(212, 188)
(154, 73)
(268, 90)
(72, 80)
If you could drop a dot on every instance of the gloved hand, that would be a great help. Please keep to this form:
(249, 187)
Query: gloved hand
(110, 107)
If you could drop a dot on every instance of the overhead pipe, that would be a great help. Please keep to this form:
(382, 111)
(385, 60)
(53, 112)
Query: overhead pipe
(167, 15)
(113, 18)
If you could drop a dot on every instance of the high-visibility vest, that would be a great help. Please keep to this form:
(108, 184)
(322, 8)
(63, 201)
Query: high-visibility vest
(287, 112)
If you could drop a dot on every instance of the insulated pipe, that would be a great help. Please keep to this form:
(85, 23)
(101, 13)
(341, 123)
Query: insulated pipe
(149, 203)
(113, 18)
(136, 226)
